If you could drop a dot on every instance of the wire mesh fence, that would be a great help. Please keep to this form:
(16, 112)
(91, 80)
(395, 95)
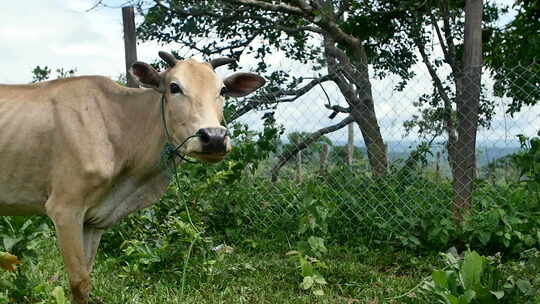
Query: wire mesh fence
(323, 164)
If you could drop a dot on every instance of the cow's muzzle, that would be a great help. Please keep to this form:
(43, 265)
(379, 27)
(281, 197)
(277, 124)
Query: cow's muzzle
(213, 140)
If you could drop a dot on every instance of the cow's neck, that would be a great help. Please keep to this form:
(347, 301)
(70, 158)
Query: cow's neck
(145, 136)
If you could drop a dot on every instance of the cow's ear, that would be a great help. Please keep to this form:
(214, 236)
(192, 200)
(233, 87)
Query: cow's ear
(146, 75)
(242, 84)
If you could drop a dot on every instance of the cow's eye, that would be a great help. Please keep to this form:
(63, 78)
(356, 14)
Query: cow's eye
(175, 88)
(223, 91)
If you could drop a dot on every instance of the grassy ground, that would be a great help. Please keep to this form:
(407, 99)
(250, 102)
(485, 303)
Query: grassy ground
(247, 275)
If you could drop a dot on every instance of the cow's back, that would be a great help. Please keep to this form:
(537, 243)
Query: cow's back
(36, 122)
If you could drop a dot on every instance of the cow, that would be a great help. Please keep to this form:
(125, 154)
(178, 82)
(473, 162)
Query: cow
(86, 151)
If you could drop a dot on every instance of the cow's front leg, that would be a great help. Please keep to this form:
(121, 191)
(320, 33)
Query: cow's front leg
(69, 233)
(92, 237)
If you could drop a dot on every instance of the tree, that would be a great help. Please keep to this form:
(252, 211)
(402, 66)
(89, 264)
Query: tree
(455, 108)
(513, 56)
(309, 32)
(44, 73)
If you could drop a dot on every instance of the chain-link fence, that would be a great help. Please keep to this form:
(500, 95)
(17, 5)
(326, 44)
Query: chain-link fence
(359, 128)
(328, 162)
(415, 132)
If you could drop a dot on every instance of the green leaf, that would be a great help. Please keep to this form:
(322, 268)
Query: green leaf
(306, 268)
(471, 270)
(10, 242)
(524, 286)
(498, 294)
(318, 292)
(317, 244)
(452, 299)
(467, 297)
(484, 237)
(59, 296)
(440, 279)
(319, 279)
(307, 283)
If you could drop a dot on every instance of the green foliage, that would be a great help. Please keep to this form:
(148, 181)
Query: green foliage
(20, 235)
(478, 279)
(528, 162)
(40, 73)
(508, 225)
(311, 152)
(513, 56)
(155, 238)
(307, 258)
(44, 73)
(59, 296)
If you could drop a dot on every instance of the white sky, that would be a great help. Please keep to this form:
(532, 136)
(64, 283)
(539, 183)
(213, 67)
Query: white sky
(61, 34)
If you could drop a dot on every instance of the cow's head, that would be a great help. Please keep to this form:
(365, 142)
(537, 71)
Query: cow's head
(193, 101)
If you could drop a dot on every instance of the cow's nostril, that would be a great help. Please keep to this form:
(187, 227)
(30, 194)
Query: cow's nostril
(213, 140)
(203, 135)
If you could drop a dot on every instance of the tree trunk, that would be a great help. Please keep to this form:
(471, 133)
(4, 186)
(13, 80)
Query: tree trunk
(130, 43)
(353, 82)
(468, 100)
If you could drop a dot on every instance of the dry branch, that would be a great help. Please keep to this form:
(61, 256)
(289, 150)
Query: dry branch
(287, 155)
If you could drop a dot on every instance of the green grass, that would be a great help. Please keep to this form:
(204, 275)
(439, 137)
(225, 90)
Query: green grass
(247, 275)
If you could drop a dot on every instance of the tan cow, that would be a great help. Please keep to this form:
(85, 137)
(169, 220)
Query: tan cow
(86, 151)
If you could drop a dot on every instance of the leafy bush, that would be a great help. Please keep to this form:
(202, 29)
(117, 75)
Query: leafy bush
(20, 236)
(478, 279)
(508, 224)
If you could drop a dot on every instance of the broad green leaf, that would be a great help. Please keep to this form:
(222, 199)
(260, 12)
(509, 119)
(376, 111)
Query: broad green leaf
(307, 283)
(452, 299)
(317, 244)
(10, 242)
(453, 281)
(306, 268)
(524, 286)
(440, 279)
(319, 279)
(471, 270)
(467, 297)
(59, 296)
(484, 237)
(318, 292)
(498, 294)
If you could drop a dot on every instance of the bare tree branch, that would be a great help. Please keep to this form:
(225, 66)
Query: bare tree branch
(218, 50)
(275, 97)
(290, 30)
(434, 76)
(287, 155)
(448, 119)
(444, 47)
(338, 108)
(278, 7)
(345, 67)
(448, 35)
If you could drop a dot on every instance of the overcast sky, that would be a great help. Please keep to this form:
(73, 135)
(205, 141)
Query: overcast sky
(62, 34)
